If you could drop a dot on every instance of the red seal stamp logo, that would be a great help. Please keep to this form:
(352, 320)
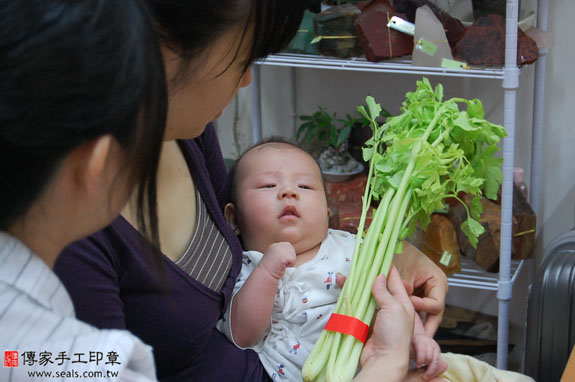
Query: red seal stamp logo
(11, 358)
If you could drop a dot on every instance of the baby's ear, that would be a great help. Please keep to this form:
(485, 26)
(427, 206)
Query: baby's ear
(231, 218)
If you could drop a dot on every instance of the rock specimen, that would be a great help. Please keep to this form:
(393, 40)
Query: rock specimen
(484, 44)
(454, 28)
(377, 40)
(335, 29)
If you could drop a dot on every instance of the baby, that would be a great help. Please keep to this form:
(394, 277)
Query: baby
(279, 207)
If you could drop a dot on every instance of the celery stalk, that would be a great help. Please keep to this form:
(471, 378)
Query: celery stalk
(433, 150)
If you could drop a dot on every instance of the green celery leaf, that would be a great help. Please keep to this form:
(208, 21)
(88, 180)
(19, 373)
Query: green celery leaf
(385, 166)
(395, 179)
(439, 92)
(363, 112)
(463, 122)
(476, 207)
(367, 153)
(373, 107)
(472, 229)
(475, 109)
(492, 182)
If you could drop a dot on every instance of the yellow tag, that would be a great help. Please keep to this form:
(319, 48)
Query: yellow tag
(445, 258)
(426, 46)
(453, 64)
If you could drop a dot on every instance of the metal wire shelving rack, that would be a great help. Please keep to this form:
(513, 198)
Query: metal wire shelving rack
(471, 275)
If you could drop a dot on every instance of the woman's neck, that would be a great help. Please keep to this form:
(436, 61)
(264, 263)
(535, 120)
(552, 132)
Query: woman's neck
(176, 202)
(165, 166)
(45, 241)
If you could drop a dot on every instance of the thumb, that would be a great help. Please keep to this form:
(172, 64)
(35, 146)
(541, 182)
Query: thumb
(397, 290)
(380, 293)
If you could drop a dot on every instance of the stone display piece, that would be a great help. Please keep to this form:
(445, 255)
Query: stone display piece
(431, 45)
(378, 41)
(484, 44)
(453, 27)
(487, 252)
(345, 202)
(301, 43)
(334, 29)
(440, 244)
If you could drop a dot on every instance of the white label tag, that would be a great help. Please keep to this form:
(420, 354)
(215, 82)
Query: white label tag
(401, 25)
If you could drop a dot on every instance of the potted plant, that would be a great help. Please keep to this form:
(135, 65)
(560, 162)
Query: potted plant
(326, 137)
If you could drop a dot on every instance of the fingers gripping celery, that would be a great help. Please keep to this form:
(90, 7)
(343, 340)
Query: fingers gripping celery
(433, 150)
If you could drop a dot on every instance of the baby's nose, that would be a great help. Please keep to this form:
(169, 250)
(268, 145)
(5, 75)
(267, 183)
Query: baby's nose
(289, 192)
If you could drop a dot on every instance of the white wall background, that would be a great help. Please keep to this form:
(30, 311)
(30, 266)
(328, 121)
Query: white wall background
(284, 94)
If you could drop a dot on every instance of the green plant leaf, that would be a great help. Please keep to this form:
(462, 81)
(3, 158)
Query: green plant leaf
(475, 109)
(493, 181)
(385, 166)
(343, 135)
(439, 92)
(363, 112)
(373, 107)
(463, 122)
(476, 207)
(472, 229)
(395, 179)
(367, 153)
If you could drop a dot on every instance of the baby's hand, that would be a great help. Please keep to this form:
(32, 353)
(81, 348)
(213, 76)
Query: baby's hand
(427, 352)
(277, 257)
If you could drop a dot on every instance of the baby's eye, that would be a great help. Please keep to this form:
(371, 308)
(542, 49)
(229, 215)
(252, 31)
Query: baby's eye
(303, 186)
(271, 185)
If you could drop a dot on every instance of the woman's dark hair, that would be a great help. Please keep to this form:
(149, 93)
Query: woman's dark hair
(189, 27)
(72, 71)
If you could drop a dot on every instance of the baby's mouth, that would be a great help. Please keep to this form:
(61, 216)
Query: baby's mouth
(289, 211)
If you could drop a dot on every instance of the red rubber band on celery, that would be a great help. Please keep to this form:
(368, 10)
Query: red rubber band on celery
(347, 325)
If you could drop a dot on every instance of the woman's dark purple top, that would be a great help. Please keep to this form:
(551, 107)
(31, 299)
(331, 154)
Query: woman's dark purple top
(114, 285)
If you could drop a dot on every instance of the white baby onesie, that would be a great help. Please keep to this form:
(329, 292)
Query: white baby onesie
(305, 299)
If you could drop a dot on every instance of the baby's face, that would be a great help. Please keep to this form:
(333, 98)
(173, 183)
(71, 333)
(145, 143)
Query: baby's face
(280, 197)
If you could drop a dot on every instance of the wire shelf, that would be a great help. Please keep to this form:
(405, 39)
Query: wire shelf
(475, 277)
(360, 64)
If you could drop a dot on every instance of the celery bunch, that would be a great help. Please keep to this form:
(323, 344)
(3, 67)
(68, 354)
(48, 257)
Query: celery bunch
(433, 150)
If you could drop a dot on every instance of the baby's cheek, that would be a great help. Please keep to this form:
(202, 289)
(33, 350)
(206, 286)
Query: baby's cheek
(257, 217)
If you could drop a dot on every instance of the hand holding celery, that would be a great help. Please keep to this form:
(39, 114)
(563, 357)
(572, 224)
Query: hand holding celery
(432, 151)
(386, 351)
(425, 283)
